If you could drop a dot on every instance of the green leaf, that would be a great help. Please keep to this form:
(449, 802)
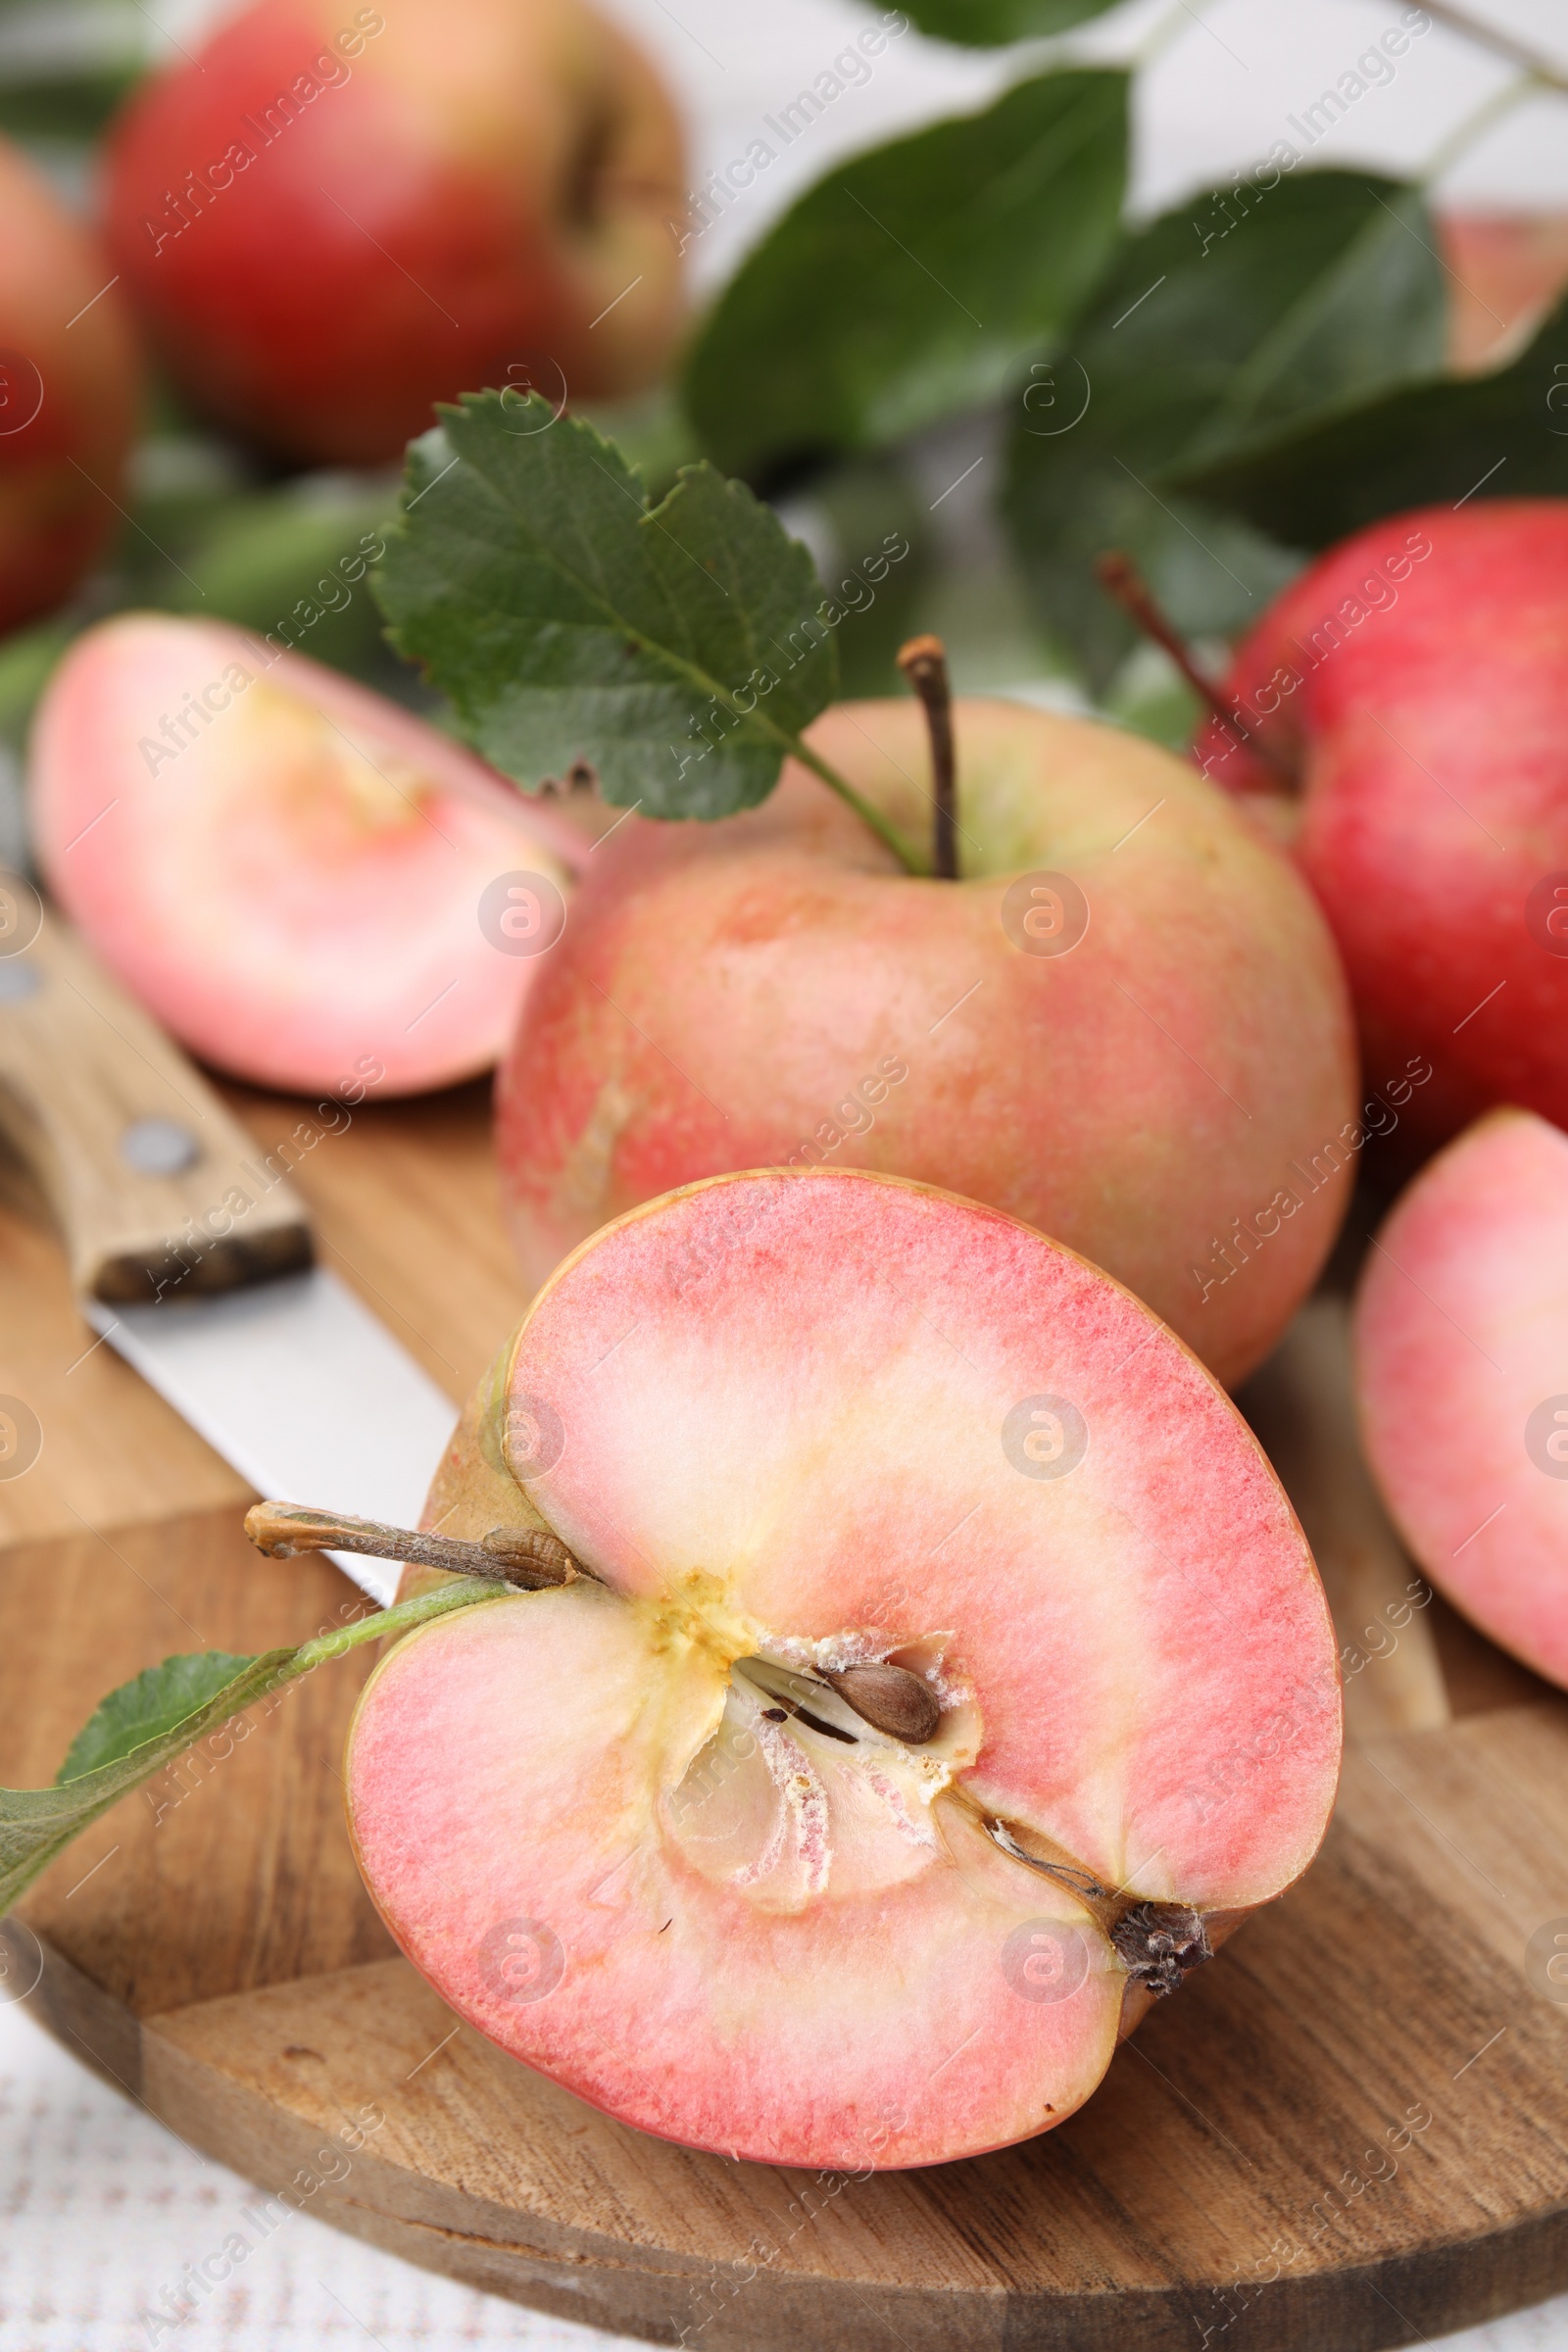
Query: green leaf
(1503, 435)
(1209, 571)
(877, 568)
(65, 106)
(987, 24)
(679, 651)
(157, 1702)
(146, 1723)
(914, 282)
(1215, 323)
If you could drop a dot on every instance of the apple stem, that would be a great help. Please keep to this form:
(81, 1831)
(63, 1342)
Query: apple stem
(1121, 579)
(530, 1557)
(924, 663)
(871, 817)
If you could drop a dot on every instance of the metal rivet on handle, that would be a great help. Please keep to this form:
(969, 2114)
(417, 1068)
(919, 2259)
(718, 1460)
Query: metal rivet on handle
(19, 981)
(159, 1146)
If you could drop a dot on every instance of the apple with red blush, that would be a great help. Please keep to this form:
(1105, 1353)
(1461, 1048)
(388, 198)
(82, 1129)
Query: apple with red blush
(1403, 716)
(331, 217)
(1122, 1021)
(69, 394)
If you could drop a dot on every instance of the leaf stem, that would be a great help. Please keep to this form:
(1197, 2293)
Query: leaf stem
(1493, 36)
(37, 1824)
(1474, 126)
(1165, 30)
(401, 1618)
(885, 830)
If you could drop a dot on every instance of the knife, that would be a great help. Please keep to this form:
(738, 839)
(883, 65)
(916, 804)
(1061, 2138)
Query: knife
(191, 1252)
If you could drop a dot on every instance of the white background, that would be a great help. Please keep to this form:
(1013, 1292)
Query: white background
(101, 2208)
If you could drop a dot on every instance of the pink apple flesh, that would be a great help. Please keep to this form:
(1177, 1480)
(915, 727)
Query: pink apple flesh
(773, 990)
(794, 1421)
(1463, 1362)
(290, 875)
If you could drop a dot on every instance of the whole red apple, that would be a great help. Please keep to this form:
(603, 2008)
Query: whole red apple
(304, 882)
(1461, 1332)
(332, 216)
(68, 392)
(1416, 680)
(1125, 1024)
(947, 1673)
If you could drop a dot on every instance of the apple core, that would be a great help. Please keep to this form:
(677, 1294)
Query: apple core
(872, 1771)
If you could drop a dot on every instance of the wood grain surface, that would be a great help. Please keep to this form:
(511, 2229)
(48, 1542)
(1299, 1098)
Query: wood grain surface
(1350, 2132)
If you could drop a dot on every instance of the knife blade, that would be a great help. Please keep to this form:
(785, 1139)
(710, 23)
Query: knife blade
(296, 1384)
(191, 1252)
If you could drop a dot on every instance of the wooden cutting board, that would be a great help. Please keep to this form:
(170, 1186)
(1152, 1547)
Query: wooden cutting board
(1351, 2130)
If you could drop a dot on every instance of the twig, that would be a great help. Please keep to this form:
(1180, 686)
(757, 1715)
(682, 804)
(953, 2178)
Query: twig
(530, 1557)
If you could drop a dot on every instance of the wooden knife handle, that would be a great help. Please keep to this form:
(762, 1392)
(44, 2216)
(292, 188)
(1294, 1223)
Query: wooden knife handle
(157, 1191)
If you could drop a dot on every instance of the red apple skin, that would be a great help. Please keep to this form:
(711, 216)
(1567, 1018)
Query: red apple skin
(781, 1404)
(295, 890)
(736, 995)
(70, 390)
(1433, 750)
(468, 189)
(1461, 1333)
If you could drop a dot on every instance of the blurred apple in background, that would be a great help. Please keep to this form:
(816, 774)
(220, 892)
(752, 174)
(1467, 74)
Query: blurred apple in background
(1416, 679)
(69, 384)
(331, 219)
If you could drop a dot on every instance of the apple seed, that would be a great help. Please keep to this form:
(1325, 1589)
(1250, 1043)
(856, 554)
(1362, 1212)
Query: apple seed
(891, 1699)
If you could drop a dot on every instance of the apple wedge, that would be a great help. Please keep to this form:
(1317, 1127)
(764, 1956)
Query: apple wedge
(1461, 1331)
(309, 886)
(945, 1674)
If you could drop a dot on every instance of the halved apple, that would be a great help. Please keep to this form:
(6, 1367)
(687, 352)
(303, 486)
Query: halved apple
(655, 1833)
(1461, 1333)
(300, 879)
